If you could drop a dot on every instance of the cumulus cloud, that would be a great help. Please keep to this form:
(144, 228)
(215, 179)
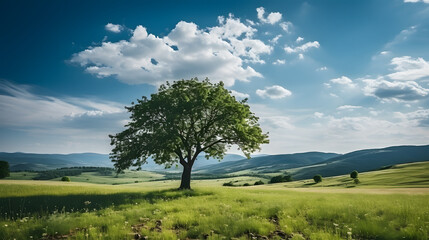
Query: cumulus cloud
(273, 92)
(272, 17)
(418, 118)
(396, 91)
(299, 39)
(348, 107)
(239, 95)
(275, 39)
(408, 68)
(116, 28)
(318, 114)
(303, 48)
(218, 53)
(286, 26)
(415, 1)
(343, 80)
(279, 62)
(324, 68)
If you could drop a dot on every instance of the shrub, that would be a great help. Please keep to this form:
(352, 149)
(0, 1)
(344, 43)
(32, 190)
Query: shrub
(246, 184)
(317, 178)
(354, 174)
(228, 184)
(259, 182)
(356, 180)
(4, 169)
(281, 178)
(65, 179)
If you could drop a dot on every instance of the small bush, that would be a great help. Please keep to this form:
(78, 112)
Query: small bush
(317, 178)
(354, 174)
(65, 179)
(228, 184)
(246, 184)
(356, 180)
(259, 182)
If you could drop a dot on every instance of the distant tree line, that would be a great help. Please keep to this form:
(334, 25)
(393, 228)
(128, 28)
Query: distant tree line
(4, 169)
(197, 176)
(72, 171)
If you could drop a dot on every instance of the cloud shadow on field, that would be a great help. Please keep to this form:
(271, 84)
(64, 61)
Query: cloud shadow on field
(27, 206)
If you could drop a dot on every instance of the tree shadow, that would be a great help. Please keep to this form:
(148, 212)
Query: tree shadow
(42, 205)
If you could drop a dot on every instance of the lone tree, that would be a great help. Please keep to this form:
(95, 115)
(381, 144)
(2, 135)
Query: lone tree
(181, 121)
(4, 169)
(354, 174)
(317, 178)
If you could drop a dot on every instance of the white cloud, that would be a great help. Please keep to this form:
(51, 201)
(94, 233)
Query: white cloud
(303, 48)
(300, 56)
(273, 92)
(21, 108)
(318, 114)
(279, 62)
(299, 39)
(116, 28)
(275, 39)
(415, 1)
(408, 68)
(286, 26)
(401, 37)
(53, 124)
(343, 80)
(218, 53)
(395, 91)
(272, 17)
(418, 118)
(337, 134)
(348, 107)
(324, 68)
(384, 52)
(239, 95)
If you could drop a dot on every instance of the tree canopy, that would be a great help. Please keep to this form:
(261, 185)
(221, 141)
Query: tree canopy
(4, 169)
(182, 120)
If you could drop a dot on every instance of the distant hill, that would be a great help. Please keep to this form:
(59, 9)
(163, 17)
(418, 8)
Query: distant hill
(39, 162)
(268, 164)
(363, 161)
(300, 165)
(36, 162)
(200, 162)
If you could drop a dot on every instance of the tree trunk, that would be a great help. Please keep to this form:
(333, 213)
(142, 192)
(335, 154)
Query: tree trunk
(186, 177)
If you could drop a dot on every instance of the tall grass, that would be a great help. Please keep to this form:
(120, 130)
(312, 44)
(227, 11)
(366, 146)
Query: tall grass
(120, 212)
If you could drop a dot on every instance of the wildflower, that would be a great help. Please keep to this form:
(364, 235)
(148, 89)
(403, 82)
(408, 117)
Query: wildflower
(5, 225)
(335, 224)
(87, 202)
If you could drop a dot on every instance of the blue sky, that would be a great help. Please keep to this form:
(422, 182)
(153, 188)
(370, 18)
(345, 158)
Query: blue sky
(331, 76)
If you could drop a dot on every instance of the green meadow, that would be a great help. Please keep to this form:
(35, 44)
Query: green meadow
(387, 204)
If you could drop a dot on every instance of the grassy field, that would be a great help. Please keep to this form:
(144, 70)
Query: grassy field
(409, 175)
(383, 206)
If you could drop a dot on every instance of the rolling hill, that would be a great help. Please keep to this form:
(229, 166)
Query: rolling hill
(37, 162)
(267, 164)
(363, 161)
(40, 162)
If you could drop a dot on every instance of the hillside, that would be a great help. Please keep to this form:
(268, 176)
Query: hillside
(36, 162)
(268, 164)
(408, 175)
(363, 161)
(39, 162)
